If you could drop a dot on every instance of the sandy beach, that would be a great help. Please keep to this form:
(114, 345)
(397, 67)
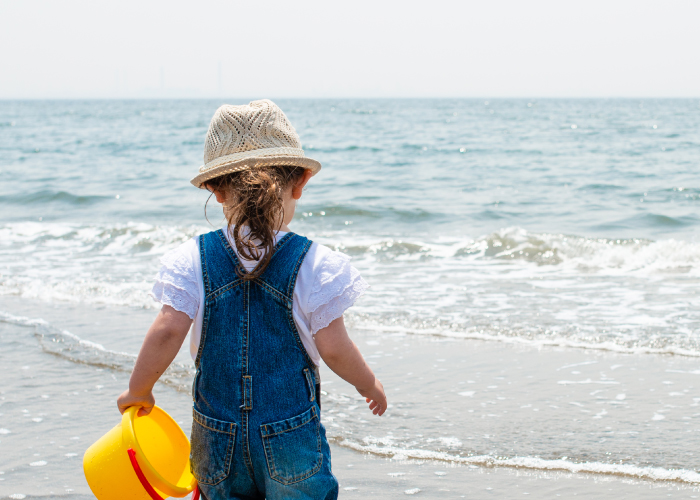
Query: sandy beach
(49, 419)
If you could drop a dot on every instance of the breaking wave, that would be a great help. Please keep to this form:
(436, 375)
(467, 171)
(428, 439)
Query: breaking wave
(66, 345)
(626, 295)
(570, 252)
(624, 470)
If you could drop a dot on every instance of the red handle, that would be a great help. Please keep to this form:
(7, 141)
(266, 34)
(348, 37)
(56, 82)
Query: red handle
(139, 473)
(144, 482)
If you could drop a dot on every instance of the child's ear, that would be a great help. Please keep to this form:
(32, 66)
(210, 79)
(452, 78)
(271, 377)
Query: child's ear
(217, 194)
(299, 184)
(220, 197)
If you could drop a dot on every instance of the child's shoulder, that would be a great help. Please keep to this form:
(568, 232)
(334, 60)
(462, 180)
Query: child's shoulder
(177, 281)
(328, 268)
(321, 257)
(183, 251)
(328, 284)
(181, 259)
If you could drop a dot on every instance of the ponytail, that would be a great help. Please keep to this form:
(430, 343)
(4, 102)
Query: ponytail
(255, 210)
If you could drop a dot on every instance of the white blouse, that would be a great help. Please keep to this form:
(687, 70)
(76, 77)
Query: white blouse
(327, 285)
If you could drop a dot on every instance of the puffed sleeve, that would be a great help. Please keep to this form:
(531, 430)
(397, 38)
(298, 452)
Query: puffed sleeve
(176, 283)
(337, 285)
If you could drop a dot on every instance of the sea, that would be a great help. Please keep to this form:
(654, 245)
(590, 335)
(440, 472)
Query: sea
(534, 268)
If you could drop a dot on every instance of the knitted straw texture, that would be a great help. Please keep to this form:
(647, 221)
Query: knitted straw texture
(250, 136)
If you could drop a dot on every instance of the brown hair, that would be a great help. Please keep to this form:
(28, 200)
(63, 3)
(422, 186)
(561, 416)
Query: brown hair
(254, 199)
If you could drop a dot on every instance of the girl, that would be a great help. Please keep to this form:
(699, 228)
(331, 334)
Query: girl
(264, 305)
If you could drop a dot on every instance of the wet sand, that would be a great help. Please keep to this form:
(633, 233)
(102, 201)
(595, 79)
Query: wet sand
(362, 474)
(453, 400)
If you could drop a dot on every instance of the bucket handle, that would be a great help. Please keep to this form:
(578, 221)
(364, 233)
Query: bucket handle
(144, 482)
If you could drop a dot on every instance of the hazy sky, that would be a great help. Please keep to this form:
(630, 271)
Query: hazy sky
(358, 48)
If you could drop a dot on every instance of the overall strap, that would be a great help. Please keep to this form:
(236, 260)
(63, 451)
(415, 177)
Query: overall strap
(219, 265)
(280, 277)
(282, 270)
(219, 262)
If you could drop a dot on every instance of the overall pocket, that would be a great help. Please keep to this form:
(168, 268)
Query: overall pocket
(212, 443)
(293, 447)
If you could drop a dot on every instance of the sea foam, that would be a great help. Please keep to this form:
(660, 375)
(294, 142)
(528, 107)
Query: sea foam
(634, 471)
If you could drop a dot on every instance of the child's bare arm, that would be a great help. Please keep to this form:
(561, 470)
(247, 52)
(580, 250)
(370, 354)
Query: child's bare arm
(344, 358)
(161, 345)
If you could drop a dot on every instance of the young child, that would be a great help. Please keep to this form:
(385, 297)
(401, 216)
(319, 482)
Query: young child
(264, 305)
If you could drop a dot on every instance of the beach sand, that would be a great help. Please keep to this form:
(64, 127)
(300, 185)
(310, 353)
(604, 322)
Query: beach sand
(59, 396)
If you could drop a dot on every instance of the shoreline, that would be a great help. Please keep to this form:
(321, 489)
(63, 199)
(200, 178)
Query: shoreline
(361, 474)
(511, 387)
(683, 477)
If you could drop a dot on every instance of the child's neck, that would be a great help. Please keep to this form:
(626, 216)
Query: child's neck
(283, 227)
(289, 210)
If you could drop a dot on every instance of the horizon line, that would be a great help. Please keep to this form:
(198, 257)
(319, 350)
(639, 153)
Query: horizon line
(209, 98)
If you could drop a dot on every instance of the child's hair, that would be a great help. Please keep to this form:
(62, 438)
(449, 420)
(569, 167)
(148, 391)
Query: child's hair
(254, 199)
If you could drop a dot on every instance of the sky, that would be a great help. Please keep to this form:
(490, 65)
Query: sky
(379, 48)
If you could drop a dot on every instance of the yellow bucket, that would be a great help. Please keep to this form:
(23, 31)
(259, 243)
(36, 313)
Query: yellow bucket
(144, 458)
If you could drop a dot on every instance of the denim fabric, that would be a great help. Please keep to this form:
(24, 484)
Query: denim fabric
(256, 431)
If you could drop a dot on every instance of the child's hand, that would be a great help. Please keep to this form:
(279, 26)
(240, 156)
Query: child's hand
(375, 397)
(127, 399)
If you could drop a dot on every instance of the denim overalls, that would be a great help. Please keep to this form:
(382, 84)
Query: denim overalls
(256, 431)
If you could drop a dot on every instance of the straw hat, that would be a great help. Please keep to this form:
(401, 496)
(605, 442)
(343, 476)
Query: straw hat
(249, 136)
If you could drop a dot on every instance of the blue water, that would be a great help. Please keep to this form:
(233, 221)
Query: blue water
(598, 168)
(563, 190)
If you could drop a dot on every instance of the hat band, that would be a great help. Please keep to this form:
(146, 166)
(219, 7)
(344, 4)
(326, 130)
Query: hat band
(255, 153)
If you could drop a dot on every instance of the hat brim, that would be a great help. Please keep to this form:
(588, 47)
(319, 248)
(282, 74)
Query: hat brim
(248, 163)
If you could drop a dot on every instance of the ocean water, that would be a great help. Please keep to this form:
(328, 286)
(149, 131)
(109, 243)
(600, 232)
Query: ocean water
(534, 269)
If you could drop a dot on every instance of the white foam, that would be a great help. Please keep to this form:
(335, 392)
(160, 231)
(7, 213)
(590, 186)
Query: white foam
(108, 264)
(517, 244)
(588, 381)
(565, 367)
(113, 263)
(71, 347)
(450, 442)
(552, 341)
(650, 473)
(22, 321)
(25, 321)
(601, 286)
